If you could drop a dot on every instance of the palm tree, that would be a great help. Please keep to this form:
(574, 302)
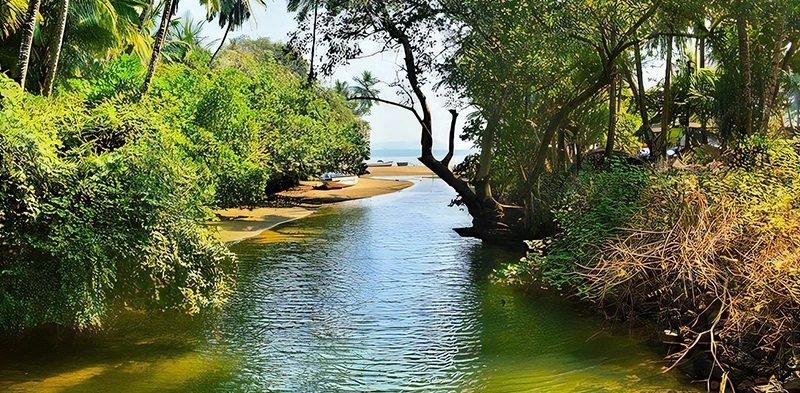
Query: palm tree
(26, 44)
(303, 7)
(183, 37)
(232, 14)
(12, 13)
(357, 95)
(54, 50)
(158, 44)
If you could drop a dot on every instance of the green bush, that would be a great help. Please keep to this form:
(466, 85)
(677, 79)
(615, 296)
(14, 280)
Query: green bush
(83, 227)
(591, 207)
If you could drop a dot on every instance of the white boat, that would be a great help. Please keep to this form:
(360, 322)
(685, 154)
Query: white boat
(380, 163)
(338, 180)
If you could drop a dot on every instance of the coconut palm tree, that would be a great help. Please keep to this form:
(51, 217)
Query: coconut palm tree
(232, 14)
(363, 88)
(185, 35)
(26, 44)
(158, 43)
(54, 50)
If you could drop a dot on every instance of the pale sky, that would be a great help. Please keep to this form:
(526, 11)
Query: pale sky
(391, 127)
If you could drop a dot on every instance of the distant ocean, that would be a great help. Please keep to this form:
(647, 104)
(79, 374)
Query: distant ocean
(410, 155)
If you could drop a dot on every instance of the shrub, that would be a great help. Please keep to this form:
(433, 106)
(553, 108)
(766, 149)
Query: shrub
(80, 230)
(589, 210)
(708, 251)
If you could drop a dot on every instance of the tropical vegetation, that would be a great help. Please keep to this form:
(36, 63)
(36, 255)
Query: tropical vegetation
(104, 192)
(649, 148)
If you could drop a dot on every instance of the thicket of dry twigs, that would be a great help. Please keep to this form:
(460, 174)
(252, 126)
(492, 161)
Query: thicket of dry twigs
(715, 256)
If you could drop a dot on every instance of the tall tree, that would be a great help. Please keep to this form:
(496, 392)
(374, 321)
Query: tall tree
(26, 43)
(612, 116)
(232, 15)
(54, 49)
(303, 8)
(746, 65)
(666, 113)
(639, 92)
(158, 44)
(498, 49)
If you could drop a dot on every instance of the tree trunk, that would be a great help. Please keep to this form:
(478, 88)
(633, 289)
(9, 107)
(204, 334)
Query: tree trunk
(468, 196)
(54, 51)
(557, 120)
(562, 150)
(612, 116)
(646, 126)
(701, 42)
(311, 74)
(482, 178)
(772, 85)
(746, 122)
(451, 147)
(704, 122)
(145, 16)
(221, 44)
(26, 43)
(158, 45)
(666, 113)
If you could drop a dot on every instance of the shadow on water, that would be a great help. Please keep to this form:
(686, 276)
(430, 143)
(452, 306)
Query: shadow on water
(377, 295)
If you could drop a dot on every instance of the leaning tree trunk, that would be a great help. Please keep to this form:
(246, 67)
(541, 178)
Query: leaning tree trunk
(612, 116)
(158, 45)
(26, 43)
(746, 122)
(557, 120)
(475, 206)
(221, 44)
(54, 51)
(770, 89)
(311, 74)
(646, 127)
(666, 113)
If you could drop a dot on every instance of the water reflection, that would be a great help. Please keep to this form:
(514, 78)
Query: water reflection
(377, 295)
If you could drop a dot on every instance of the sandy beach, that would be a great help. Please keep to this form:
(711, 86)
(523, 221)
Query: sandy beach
(238, 224)
(399, 171)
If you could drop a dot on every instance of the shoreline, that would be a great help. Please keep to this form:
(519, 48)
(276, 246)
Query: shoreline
(239, 224)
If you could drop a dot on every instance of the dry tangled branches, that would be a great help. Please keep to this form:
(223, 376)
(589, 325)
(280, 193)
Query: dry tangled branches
(723, 275)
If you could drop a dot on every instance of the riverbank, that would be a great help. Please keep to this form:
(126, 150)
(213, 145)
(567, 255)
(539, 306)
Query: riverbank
(239, 224)
(398, 171)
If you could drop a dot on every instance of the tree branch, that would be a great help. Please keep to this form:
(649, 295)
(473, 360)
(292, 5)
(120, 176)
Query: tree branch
(451, 146)
(392, 103)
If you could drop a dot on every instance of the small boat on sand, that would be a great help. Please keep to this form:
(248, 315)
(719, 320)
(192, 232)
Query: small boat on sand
(334, 180)
(380, 163)
(402, 163)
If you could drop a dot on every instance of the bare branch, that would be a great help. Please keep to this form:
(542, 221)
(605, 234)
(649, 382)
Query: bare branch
(392, 103)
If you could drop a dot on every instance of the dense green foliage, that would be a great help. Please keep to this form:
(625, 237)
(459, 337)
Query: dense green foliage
(102, 195)
(590, 209)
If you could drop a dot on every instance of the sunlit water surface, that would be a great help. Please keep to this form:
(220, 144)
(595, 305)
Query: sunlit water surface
(374, 295)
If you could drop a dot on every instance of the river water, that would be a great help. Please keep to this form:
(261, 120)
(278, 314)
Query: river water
(373, 295)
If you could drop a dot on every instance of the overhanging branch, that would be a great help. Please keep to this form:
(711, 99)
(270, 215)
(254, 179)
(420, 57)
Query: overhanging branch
(387, 102)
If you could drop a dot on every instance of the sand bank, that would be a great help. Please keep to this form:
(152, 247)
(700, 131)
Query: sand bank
(238, 224)
(392, 171)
